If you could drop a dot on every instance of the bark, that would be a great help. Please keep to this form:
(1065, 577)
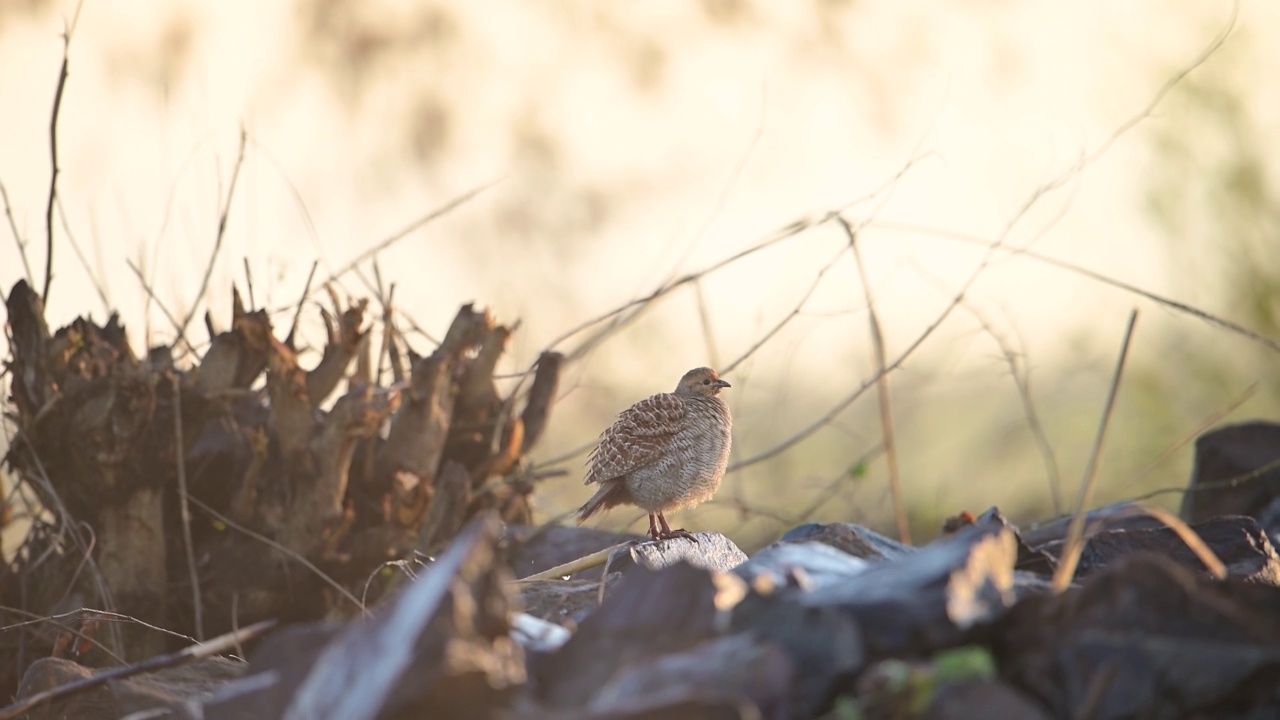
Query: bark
(344, 340)
(235, 358)
(317, 511)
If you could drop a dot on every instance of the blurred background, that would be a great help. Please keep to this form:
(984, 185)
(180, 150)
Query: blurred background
(626, 145)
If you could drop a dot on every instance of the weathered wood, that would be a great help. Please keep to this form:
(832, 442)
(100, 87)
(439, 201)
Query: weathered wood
(319, 499)
(343, 340)
(542, 397)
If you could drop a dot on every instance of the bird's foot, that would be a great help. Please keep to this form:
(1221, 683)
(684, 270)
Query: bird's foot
(670, 534)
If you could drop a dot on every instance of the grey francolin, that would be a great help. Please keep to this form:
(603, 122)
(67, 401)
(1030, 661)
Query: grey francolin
(664, 453)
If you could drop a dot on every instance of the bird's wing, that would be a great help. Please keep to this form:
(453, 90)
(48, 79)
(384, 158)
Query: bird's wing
(638, 437)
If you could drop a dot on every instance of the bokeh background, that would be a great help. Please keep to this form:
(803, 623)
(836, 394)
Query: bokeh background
(630, 144)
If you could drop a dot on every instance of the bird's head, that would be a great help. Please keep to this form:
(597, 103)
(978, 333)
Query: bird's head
(701, 381)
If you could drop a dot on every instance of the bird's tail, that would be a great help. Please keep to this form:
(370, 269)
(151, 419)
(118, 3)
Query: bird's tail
(609, 495)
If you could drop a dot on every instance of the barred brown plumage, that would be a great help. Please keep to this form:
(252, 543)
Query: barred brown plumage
(666, 452)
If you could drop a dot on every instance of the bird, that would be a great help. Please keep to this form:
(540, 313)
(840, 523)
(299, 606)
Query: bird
(666, 452)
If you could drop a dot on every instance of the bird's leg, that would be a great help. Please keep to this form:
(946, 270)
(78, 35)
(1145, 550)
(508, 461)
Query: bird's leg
(653, 528)
(667, 533)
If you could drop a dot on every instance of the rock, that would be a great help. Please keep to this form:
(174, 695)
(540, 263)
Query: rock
(712, 551)
(564, 602)
(823, 644)
(929, 599)
(983, 700)
(650, 614)
(1147, 637)
(1237, 541)
(1120, 516)
(712, 678)
(1236, 471)
(117, 698)
(537, 634)
(851, 539)
(808, 565)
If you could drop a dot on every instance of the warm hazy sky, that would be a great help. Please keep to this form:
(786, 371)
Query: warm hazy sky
(633, 141)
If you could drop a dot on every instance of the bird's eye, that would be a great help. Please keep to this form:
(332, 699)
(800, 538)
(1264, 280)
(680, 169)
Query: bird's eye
(706, 381)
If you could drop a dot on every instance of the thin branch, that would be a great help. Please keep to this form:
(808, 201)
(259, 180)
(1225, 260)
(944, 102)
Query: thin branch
(297, 313)
(1170, 303)
(704, 319)
(179, 451)
(1074, 542)
(217, 646)
(1021, 374)
(416, 224)
(151, 294)
(729, 185)
(882, 390)
(619, 316)
(66, 628)
(53, 154)
(217, 242)
(17, 236)
(1257, 473)
(84, 262)
(1195, 432)
(248, 281)
(795, 312)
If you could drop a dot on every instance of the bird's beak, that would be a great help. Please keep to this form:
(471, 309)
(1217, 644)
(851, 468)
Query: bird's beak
(721, 384)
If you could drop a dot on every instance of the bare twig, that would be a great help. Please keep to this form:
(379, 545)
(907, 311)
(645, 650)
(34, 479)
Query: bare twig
(84, 262)
(1197, 544)
(595, 559)
(217, 241)
(151, 294)
(416, 224)
(65, 627)
(1170, 303)
(248, 281)
(1020, 371)
(217, 646)
(196, 603)
(17, 236)
(882, 390)
(297, 314)
(1074, 543)
(795, 312)
(619, 316)
(54, 170)
(704, 318)
(1256, 474)
(1195, 432)
(87, 612)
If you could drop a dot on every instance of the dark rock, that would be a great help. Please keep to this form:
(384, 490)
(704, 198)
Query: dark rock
(983, 700)
(651, 614)
(116, 698)
(931, 598)
(1237, 471)
(1029, 559)
(823, 644)
(1147, 637)
(807, 565)
(1120, 516)
(711, 551)
(852, 539)
(717, 677)
(564, 601)
(1237, 541)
